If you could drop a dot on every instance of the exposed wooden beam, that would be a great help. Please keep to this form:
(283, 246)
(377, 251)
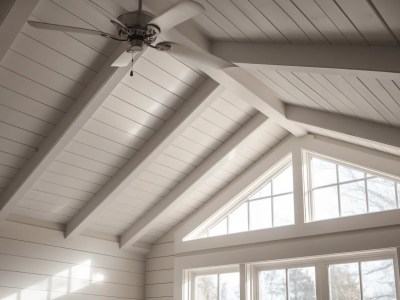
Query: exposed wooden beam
(239, 82)
(191, 110)
(244, 85)
(84, 107)
(362, 129)
(380, 61)
(16, 16)
(191, 182)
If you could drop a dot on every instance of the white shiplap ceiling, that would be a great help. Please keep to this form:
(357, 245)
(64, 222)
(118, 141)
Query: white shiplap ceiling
(44, 74)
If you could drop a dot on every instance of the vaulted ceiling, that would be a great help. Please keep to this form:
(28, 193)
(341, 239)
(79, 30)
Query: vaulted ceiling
(88, 149)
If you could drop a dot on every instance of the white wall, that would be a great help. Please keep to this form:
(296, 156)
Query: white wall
(37, 263)
(159, 279)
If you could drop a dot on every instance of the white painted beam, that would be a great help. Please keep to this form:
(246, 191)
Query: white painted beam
(191, 182)
(13, 22)
(240, 83)
(362, 129)
(380, 61)
(84, 107)
(157, 144)
(244, 85)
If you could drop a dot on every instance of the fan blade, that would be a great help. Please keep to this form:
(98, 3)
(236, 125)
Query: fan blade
(177, 14)
(123, 60)
(201, 59)
(64, 28)
(105, 13)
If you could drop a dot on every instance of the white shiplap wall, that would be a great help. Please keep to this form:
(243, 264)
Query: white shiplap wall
(159, 278)
(39, 264)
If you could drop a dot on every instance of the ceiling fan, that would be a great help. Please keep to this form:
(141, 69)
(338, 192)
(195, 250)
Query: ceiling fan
(140, 29)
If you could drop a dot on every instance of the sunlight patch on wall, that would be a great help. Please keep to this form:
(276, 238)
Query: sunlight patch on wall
(64, 283)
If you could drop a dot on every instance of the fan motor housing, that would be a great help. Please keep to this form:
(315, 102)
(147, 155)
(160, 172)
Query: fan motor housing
(141, 32)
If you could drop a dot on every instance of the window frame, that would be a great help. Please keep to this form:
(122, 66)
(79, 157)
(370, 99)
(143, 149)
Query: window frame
(193, 273)
(283, 165)
(321, 265)
(309, 189)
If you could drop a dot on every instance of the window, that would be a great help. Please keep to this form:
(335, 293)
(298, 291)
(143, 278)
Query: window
(347, 276)
(270, 206)
(282, 284)
(340, 190)
(362, 280)
(350, 276)
(216, 286)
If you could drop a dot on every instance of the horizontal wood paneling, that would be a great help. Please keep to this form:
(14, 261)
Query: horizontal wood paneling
(159, 279)
(36, 263)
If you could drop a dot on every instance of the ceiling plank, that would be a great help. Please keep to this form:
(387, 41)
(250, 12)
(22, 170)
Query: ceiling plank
(13, 22)
(379, 61)
(191, 182)
(83, 108)
(363, 129)
(163, 138)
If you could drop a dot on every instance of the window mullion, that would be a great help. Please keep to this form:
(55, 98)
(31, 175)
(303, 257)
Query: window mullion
(287, 284)
(366, 193)
(298, 194)
(338, 190)
(361, 282)
(322, 281)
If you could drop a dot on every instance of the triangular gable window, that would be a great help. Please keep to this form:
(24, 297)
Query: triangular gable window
(339, 189)
(268, 204)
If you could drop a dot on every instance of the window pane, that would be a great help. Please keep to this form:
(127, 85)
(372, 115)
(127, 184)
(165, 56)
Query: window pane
(238, 219)
(206, 287)
(325, 202)
(273, 285)
(352, 198)
(283, 183)
(260, 214)
(381, 194)
(378, 280)
(322, 172)
(265, 191)
(302, 283)
(344, 282)
(283, 210)
(219, 229)
(229, 286)
(347, 174)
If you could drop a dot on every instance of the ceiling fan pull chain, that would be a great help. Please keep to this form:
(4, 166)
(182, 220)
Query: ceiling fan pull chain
(140, 4)
(131, 73)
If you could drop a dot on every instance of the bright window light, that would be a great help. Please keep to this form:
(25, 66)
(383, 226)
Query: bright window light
(271, 205)
(363, 280)
(341, 190)
(223, 286)
(292, 284)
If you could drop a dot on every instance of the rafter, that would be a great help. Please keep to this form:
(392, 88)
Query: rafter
(84, 107)
(173, 128)
(13, 22)
(362, 129)
(191, 182)
(244, 85)
(240, 82)
(379, 61)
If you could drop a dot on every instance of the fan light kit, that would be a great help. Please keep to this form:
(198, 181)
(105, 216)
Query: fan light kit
(139, 29)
